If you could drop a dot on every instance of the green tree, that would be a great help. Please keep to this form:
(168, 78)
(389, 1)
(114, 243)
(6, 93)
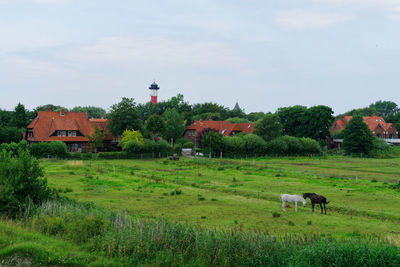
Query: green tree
(212, 142)
(96, 140)
(294, 120)
(237, 120)
(20, 182)
(255, 116)
(155, 126)
(124, 116)
(20, 118)
(269, 127)
(129, 136)
(386, 109)
(174, 125)
(357, 137)
(10, 134)
(319, 120)
(92, 112)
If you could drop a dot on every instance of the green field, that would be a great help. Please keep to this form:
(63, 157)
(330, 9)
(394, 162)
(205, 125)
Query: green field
(244, 194)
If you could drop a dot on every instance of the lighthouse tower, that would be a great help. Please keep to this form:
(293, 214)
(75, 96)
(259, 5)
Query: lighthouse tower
(154, 92)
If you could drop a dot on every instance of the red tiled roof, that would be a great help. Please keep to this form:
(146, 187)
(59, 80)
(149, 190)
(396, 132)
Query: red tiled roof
(102, 124)
(223, 127)
(47, 122)
(372, 122)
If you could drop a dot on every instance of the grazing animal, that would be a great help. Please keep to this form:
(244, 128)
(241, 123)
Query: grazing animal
(293, 199)
(316, 199)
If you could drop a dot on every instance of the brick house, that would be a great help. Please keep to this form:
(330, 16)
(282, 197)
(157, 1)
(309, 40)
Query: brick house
(376, 124)
(69, 127)
(223, 127)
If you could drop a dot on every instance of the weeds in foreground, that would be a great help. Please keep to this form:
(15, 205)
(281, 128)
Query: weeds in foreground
(149, 242)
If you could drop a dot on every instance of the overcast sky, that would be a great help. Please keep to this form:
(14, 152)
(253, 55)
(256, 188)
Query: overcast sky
(265, 53)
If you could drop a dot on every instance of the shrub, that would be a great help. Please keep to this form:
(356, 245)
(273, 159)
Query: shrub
(163, 147)
(254, 144)
(277, 146)
(212, 142)
(54, 149)
(20, 182)
(234, 145)
(133, 147)
(188, 144)
(310, 146)
(128, 136)
(380, 149)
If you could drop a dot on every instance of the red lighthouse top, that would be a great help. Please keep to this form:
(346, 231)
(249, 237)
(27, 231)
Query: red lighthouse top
(154, 92)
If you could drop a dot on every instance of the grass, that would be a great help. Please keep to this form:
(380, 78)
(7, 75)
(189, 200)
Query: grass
(21, 247)
(85, 227)
(247, 191)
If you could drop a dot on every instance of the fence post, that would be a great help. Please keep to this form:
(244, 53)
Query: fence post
(220, 155)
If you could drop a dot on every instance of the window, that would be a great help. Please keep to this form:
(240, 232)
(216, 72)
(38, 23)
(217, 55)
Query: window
(379, 135)
(223, 131)
(30, 134)
(391, 136)
(191, 133)
(71, 133)
(61, 133)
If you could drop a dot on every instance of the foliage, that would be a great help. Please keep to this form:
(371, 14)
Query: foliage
(338, 135)
(208, 116)
(96, 140)
(10, 134)
(386, 109)
(92, 112)
(124, 116)
(147, 242)
(133, 147)
(53, 149)
(358, 138)
(255, 116)
(199, 136)
(188, 144)
(156, 126)
(269, 127)
(174, 124)
(13, 147)
(129, 136)
(254, 144)
(238, 120)
(299, 121)
(234, 145)
(380, 149)
(20, 182)
(294, 146)
(212, 142)
(20, 118)
(209, 107)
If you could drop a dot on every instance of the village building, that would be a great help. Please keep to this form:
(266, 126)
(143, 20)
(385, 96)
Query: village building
(223, 127)
(376, 124)
(72, 128)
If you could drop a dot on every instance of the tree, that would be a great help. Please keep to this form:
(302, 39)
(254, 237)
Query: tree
(210, 108)
(237, 120)
(97, 138)
(174, 124)
(357, 137)
(294, 120)
(386, 109)
(92, 112)
(20, 119)
(319, 120)
(212, 142)
(10, 134)
(155, 126)
(20, 182)
(255, 116)
(129, 136)
(124, 116)
(269, 127)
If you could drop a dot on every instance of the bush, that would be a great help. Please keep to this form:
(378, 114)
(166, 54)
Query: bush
(254, 144)
(133, 147)
(14, 147)
(53, 149)
(188, 144)
(163, 147)
(380, 149)
(234, 145)
(212, 142)
(289, 145)
(310, 146)
(277, 146)
(20, 182)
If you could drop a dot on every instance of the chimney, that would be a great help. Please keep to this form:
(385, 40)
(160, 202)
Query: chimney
(62, 113)
(49, 109)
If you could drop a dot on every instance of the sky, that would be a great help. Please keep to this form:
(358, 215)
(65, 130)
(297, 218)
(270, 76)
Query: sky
(264, 53)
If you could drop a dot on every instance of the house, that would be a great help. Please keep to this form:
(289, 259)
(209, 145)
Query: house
(223, 127)
(376, 124)
(69, 127)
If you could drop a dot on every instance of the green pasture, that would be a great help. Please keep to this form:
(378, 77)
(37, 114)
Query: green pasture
(244, 194)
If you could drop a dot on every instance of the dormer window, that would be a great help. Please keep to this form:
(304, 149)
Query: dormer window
(61, 133)
(30, 133)
(71, 133)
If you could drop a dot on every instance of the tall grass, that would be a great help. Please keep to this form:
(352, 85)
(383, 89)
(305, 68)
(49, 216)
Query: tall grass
(159, 242)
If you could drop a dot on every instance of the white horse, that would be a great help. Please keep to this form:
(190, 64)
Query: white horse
(292, 199)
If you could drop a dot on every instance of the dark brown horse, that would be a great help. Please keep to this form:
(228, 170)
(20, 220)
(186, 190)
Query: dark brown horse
(316, 199)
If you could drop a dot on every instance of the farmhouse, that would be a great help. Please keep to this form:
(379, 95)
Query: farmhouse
(376, 124)
(223, 127)
(69, 127)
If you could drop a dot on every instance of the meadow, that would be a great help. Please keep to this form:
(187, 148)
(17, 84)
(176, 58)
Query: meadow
(243, 195)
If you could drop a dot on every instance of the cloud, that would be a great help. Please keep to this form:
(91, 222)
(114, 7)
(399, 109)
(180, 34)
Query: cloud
(156, 52)
(382, 4)
(302, 19)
